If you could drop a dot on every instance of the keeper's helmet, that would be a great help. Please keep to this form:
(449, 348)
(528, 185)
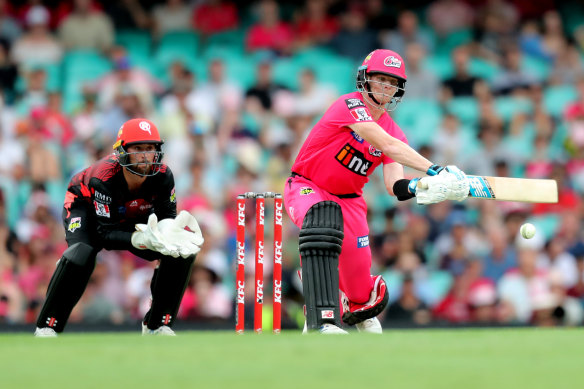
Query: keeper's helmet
(138, 131)
(382, 62)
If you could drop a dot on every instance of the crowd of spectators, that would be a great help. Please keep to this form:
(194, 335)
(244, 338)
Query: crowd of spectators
(494, 86)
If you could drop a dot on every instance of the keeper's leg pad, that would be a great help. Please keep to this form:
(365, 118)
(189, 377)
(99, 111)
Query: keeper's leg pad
(168, 286)
(67, 285)
(320, 242)
(354, 313)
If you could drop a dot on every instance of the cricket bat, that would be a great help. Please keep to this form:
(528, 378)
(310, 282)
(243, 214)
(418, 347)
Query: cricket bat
(526, 190)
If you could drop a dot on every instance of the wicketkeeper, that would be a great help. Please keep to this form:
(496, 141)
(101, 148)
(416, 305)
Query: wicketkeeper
(125, 201)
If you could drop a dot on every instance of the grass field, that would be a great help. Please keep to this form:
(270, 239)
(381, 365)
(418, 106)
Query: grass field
(478, 358)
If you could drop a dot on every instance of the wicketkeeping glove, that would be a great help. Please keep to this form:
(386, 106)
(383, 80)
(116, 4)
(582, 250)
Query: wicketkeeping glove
(183, 232)
(450, 184)
(148, 237)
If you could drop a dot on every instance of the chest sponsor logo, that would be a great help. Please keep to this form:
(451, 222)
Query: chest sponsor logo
(361, 114)
(373, 151)
(357, 137)
(101, 209)
(74, 224)
(362, 241)
(352, 103)
(102, 198)
(354, 160)
(306, 191)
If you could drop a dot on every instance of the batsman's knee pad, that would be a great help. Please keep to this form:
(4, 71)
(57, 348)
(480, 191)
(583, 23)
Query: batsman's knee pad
(320, 242)
(354, 313)
(67, 285)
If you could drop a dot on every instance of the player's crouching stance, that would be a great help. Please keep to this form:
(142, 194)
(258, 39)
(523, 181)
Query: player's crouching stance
(116, 204)
(324, 195)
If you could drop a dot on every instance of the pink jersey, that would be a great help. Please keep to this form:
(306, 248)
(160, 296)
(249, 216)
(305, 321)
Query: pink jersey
(336, 158)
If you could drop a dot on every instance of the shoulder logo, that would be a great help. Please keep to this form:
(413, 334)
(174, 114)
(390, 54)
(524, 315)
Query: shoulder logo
(392, 61)
(353, 102)
(361, 114)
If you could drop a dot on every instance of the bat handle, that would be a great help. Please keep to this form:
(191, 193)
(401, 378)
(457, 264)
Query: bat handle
(422, 184)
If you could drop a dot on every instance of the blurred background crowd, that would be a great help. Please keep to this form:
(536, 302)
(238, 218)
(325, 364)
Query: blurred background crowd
(494, 86)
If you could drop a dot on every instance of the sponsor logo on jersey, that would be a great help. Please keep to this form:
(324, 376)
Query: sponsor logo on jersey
(74, 224)
(101, 209)
(306, 191)
(134, 203)
(102, 198)
(357, 137)
(352, 103)
(361, 114)
(362, 241)
(373, 151)
(354, 160)
(392, 62)
(172, 196)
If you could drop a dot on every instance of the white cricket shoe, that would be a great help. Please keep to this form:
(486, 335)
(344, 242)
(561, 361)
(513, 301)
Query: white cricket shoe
(372, 326)
(45, 332)
(162, 331)
(327, 329)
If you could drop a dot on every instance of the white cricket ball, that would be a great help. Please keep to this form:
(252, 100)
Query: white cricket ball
(527, 230)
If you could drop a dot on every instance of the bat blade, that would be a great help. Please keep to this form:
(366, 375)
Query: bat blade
(513, 189)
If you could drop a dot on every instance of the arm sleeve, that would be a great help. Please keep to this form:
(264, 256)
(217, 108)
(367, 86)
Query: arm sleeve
(165, 204)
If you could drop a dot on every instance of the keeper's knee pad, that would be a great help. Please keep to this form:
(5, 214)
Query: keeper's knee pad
(67, 285)
(320, 242)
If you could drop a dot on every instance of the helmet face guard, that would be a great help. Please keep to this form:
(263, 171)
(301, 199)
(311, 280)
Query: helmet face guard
(384, 62)
(124, 159)
(134, 132)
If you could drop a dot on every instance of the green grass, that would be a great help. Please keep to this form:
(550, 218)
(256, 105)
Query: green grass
(482, 358)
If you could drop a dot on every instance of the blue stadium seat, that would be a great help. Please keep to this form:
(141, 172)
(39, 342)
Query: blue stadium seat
(507, 107)
(466, 109)
(339, 72)
(136, 42)
(440, 65)
(557, 98)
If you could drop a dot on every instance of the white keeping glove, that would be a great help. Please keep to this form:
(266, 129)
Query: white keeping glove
(450, 184)
(183, 232)
(148, 237)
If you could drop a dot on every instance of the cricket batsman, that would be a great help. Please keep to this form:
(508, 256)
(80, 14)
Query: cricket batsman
(116, 204)
(323, 196)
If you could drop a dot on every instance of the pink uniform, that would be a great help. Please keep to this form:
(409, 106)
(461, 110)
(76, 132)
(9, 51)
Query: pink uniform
(334, 164)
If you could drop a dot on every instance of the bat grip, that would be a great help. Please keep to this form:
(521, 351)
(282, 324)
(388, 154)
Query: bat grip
(422, 185)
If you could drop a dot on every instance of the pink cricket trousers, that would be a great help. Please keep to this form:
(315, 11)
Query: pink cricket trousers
(355, 260)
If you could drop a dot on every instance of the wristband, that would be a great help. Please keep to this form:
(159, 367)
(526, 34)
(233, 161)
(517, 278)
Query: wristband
(434, 170)
(401, 189)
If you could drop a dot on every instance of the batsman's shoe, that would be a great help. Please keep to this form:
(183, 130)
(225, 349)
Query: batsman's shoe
(327, 329)
(372, 326)
(45, 332)
(160, 331)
